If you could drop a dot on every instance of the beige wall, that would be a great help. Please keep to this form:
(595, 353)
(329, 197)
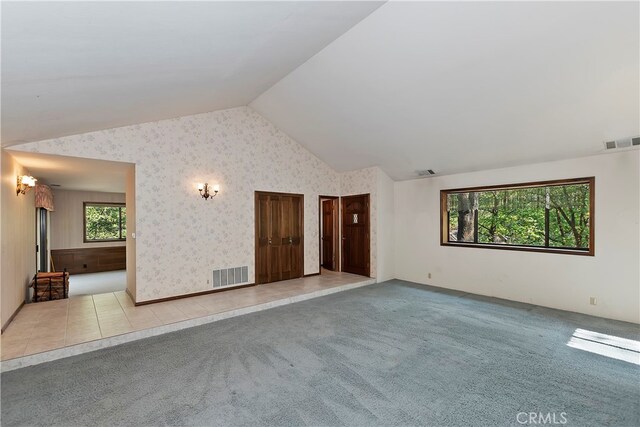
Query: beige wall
(67, 219)
(180, 237)
(131, 232)
(386, 227)
(18, 235)
(553, 280)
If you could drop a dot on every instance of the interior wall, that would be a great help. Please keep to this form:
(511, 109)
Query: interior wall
(131, 232)
(553, 280)
(180, 237)
(67, 225)
(386, 227)
(18, 235)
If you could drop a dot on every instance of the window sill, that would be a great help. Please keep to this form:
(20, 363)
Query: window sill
(589, 252)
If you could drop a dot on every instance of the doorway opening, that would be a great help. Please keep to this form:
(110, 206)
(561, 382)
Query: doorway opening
(85, 221)
(329, 224)
(356, 247)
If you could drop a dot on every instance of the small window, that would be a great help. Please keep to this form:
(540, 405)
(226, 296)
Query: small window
(548, 216)
(104, 222)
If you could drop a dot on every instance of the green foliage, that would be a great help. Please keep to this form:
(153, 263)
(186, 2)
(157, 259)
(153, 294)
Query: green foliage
(517, 216)
(104, 222)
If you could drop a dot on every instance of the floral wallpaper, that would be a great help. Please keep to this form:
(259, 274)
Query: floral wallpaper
(180, 237)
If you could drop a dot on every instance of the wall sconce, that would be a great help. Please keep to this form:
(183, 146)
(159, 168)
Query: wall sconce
(25, 182)
(204, 190)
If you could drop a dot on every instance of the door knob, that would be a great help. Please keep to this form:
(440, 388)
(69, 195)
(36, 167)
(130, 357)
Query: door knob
(269, 241)
(290, 240)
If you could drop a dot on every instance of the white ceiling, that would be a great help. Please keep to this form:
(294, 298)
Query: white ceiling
(466, 86)
(74, 173)
(449, 86)
(74, 67)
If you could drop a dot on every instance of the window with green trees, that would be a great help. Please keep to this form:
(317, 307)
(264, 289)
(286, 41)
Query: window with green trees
(104, 222)
(554, 216)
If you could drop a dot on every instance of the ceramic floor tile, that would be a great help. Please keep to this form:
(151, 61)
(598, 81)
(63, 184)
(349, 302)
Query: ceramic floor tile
(12, 354)
(140, 324)
(82, 328)
(142, 318)
(40, 345)
(190, 309)
(113, 331)
(14, 348)
(108, 329)
(72, 339)
(124, 299)
(167, 313)
(80, 300)
(54, 324)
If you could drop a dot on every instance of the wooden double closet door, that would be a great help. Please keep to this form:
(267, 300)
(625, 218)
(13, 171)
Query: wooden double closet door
(279, 236)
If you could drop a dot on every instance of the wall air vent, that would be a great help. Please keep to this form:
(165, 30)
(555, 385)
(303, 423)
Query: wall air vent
(622, 143)
(425, 172)
(230, 276)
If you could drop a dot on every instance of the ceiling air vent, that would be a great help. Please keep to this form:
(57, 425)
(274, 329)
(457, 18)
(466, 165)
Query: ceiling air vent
(622, 143)
(425, 172)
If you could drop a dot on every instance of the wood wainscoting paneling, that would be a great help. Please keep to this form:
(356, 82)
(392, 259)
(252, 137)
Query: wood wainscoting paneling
(90, 260)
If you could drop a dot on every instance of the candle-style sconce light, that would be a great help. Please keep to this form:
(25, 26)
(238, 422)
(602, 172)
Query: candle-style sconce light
(203, 189)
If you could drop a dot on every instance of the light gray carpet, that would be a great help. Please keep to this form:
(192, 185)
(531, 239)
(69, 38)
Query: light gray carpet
(387, 354)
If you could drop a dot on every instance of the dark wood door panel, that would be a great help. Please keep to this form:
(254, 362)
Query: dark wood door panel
(328, 221)
(279, 250)
(262, 238)
(296, 231)
(355, 235)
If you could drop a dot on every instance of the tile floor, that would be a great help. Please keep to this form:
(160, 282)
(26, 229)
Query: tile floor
(53, 325)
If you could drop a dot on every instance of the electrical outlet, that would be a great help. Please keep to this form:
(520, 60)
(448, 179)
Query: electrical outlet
(593, 301)
(207, 281)
(429, 275)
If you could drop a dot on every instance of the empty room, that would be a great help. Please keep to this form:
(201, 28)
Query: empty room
(320, 213)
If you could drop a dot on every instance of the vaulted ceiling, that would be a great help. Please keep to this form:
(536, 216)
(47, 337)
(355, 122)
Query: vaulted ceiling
(461, 86)
(74, 67)
(450, 86)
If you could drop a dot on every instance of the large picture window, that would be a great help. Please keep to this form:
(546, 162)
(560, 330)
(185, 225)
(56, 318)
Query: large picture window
(547, 216)
(104, 222)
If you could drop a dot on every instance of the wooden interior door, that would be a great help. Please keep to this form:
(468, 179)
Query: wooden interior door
(292, 239)
(355, 235)
(279, 237)
(329, 216)
(263, 216)
(277, 247)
